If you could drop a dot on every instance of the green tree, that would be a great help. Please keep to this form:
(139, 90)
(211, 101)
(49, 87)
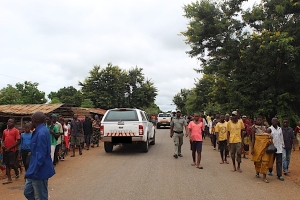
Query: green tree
(140, 92)
(255, 71)
(68, 95)
(87, 103)
(55, 100)
(106, 87)
(30, 93)
(112, 87)
(152, 109)
(10, 95)
(180, 100)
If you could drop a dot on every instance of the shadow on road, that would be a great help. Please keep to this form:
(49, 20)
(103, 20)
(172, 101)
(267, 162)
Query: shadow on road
(128, 149)
(164, 127)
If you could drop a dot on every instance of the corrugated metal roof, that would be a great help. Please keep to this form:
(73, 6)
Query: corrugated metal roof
(96, 110)
(27, 109)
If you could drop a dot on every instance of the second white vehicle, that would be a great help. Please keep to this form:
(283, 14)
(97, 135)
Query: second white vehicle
(163, 119)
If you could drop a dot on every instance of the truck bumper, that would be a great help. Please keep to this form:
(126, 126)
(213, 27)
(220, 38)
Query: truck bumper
(126, 139)
(163, 124)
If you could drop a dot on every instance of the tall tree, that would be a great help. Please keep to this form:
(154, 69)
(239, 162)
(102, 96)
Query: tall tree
(10, 95)
(180, 99)
(30, 93)
(112, 87)
(255, 71)
(68, 95)
(87, 103)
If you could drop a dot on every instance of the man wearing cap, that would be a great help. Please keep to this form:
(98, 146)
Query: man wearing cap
(176, 131)
(235, 137)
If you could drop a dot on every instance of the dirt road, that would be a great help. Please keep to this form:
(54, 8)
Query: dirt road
(129, 174)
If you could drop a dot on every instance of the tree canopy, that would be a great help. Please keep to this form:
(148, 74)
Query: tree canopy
(105, 88)
(113, 87)
(22, 93)
(250, 58)
(68, 95)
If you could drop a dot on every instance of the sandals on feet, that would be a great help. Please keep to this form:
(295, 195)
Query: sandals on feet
(266, 180)
(6, 182)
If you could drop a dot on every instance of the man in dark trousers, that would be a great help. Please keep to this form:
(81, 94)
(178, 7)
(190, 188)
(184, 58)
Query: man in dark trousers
(176, 132)
(288, 137)
(277, 136)
(41, 167)
(76, 134)
(88, 130)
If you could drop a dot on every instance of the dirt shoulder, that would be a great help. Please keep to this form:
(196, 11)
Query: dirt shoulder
(295, 167)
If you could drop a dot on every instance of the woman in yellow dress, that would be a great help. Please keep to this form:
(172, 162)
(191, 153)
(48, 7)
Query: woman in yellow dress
(260, 141)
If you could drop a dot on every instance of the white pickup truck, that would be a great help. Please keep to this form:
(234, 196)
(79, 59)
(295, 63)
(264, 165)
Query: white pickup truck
(126, 125)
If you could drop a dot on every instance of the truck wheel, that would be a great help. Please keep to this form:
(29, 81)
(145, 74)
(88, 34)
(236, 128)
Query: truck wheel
(108, 147)
(153, 140)
(157, 126)
(145, 146)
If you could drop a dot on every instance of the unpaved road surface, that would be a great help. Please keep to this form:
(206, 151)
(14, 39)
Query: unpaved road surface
(129, 174)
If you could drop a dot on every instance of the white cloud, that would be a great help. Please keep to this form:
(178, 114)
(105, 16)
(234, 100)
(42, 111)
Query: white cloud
(56, 43)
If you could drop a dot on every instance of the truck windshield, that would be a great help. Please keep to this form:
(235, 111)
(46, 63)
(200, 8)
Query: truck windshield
(164, 115)
(121, 115)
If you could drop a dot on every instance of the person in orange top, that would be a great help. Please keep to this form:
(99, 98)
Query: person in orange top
(195, 128)
(11, 139)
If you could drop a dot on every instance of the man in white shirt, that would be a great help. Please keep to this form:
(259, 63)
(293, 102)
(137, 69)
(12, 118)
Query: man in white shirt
(278, 141)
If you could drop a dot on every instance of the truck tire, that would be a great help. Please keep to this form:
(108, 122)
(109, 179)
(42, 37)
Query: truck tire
(153, 140)
(158, 126)
(145, 146)
(108, 147)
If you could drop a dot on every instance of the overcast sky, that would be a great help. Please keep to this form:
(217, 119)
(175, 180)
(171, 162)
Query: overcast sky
(57, 43)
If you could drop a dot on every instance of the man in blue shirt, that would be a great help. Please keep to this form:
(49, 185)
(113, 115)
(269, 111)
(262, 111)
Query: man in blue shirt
(40, 167)
(25, 145)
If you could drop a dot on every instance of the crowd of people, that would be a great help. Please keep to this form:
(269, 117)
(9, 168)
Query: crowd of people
(66, 136)
(238, 137)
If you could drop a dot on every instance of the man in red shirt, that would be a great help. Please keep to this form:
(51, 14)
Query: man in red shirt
(11, 139)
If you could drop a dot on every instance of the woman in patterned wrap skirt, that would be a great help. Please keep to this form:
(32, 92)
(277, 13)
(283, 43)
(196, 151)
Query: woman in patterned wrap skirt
(96, 131)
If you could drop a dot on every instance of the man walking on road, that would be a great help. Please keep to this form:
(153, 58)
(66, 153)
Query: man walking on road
(88, 130)
(76, 133)
(277, 136)
(40, 167)
(11, 139)
(221, 133)
(176, 131)
(195, 132)
(235, 127)
(288, 137)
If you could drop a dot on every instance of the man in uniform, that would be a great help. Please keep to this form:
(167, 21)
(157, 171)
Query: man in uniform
(176, 131)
